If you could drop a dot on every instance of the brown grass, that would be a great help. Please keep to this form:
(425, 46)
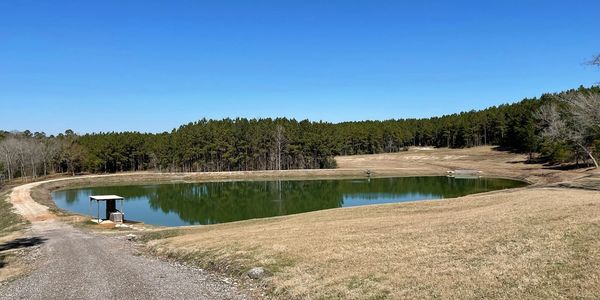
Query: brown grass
(535, 242)
(10, 226)
(9, 220)
(438, 161)
(539, 243)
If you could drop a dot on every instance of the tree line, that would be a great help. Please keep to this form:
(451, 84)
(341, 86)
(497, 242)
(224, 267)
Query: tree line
(570, 126)
(27, 154)
(280, 144)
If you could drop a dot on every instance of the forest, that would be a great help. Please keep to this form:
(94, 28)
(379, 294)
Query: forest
(280, 144)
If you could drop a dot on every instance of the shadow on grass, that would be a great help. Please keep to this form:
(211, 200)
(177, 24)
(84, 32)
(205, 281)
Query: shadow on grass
(567, 167)
(18, 244)
(506, 149)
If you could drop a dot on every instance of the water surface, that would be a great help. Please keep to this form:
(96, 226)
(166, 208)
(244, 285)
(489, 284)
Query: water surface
(176, 204)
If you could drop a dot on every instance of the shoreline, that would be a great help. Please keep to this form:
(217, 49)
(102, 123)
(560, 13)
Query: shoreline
(444, 238)
(419, 163)
(78, 186)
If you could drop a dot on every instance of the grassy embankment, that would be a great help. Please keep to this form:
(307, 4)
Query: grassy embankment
(10, 225)
(9, 220)
(534, 242)
(539, 242)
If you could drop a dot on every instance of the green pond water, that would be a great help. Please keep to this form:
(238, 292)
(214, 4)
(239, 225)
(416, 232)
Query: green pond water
(176, 204)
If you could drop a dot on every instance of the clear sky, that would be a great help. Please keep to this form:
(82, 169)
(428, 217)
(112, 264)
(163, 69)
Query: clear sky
(154, 65)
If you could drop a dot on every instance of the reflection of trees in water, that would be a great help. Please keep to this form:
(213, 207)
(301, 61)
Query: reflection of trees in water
(74, 195)
(218, 202)
(437, 186)
(233, 201)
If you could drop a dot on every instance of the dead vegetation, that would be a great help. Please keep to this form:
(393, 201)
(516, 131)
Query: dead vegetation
(428, 161)
(11, 225)
(534, 242)
(520, 244)
(9, 220)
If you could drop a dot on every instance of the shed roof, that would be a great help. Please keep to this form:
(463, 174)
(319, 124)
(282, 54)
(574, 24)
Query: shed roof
(105, 197)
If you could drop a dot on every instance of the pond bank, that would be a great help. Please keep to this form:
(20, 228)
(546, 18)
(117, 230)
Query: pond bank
(203, 203)
(511, 243)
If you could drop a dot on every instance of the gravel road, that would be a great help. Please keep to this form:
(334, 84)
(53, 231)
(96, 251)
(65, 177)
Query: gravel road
(72, 264)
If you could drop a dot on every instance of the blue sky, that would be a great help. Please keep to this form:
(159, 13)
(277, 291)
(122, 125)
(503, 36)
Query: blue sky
(154, 65)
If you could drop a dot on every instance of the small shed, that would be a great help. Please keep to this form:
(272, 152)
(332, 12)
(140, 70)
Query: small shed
(112, 213)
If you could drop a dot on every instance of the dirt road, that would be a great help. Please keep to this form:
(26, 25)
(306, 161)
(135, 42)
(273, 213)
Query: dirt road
(72, 264)
(535, 242)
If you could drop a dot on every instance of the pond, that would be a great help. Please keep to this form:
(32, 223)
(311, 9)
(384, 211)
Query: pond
(177, 204)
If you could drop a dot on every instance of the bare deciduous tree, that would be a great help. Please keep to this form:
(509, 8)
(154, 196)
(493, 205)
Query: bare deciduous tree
(49, 150)
(585, 109)
(578, 123)
(8, 153)
(595, 61)
(23, 155)
(279, 141)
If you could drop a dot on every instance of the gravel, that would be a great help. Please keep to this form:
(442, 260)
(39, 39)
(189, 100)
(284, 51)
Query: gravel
(72, 264)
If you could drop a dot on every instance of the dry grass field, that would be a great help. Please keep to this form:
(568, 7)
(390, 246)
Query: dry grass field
(535, 242)
(11, 225)
(540, 241)
(429, 161)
